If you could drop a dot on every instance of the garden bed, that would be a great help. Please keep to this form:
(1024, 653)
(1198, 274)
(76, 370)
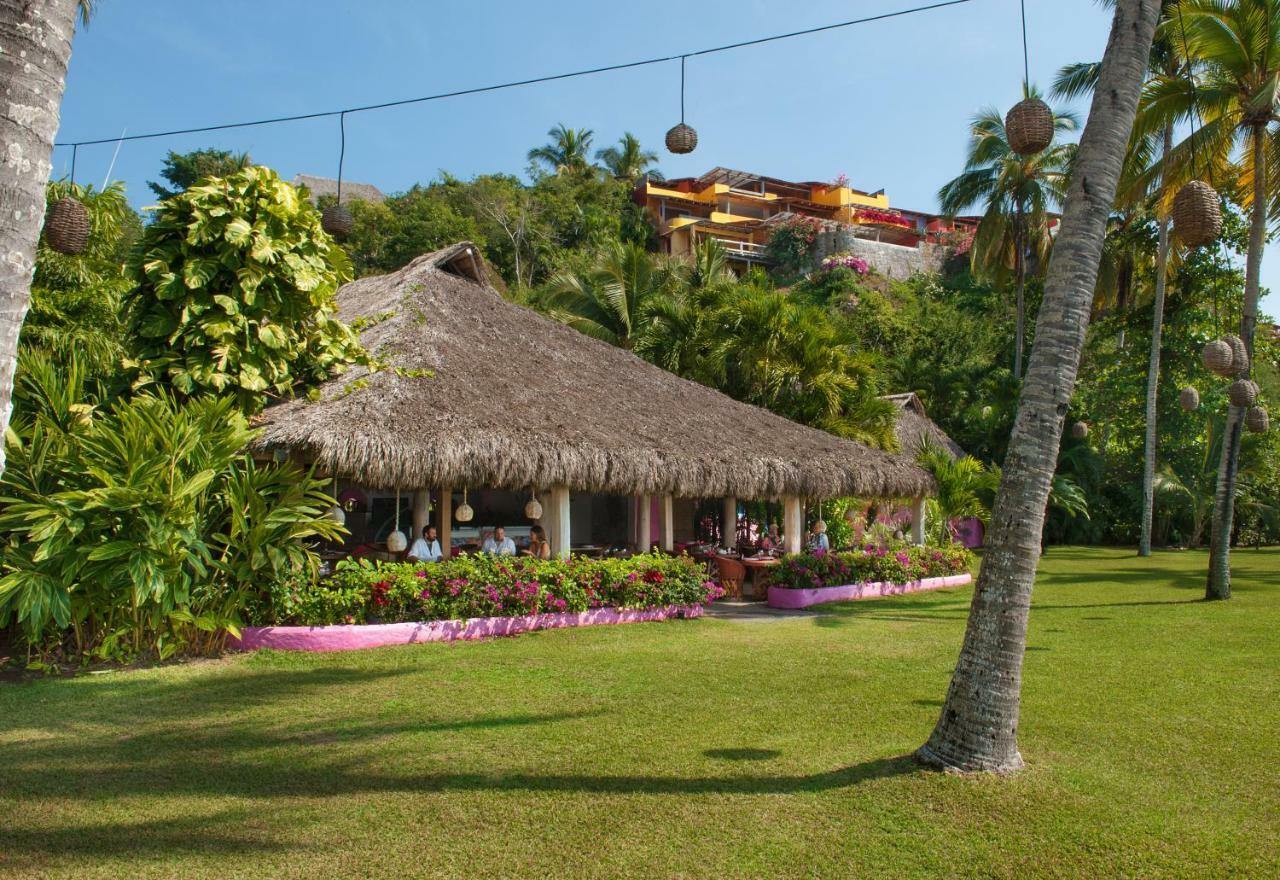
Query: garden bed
(351, 637)
(786, 597)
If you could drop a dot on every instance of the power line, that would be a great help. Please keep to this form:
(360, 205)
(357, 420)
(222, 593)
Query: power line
(511, 85)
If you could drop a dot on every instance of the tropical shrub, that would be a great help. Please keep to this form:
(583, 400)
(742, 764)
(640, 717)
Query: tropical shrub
(486, 586)
(790, 247)
(141, 526)
(872, 563)
(235, 288)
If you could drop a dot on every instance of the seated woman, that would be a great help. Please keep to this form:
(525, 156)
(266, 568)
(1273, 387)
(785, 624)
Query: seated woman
(538, 547)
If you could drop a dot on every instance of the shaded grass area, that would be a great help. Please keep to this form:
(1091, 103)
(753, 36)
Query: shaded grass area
(693, 749)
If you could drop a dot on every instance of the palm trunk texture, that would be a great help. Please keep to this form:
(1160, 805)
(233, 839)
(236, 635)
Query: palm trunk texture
(35, 48)
(978, 727)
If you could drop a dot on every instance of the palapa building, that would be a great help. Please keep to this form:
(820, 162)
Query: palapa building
(486, 394)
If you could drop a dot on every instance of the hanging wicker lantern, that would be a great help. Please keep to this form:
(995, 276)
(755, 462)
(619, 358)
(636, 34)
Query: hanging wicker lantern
(1028, 126)
(1257, 420)
(1217, 357)
(1243, 392)
(533, 510)
(682, 139)
(1189, 398)
(1080, 430)
(66, 226)
(397, 542)
(336, 220)
(336, 514)
(1197, 214)
(464, 513)
(1239, 355)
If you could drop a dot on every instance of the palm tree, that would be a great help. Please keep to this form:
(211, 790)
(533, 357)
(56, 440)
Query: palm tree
(978, 726)
(679, 334)
(1017, 193)
(36, 37)
(1233, 52)
(609, 301)
(628, 160)
(1165, 66)
(567, 152)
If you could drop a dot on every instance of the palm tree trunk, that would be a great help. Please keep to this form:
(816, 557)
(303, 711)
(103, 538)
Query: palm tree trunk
(1219, 581)
(978, 727)
(1020, 266)
(35, 48)
(1153, 373)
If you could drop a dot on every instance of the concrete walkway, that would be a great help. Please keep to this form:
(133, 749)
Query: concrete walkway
(754, 612)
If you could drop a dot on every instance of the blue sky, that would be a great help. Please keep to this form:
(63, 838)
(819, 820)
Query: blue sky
(885, 103)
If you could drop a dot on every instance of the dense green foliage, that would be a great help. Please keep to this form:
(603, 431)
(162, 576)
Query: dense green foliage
(234, 292)
(894, 564)
(184, 170)
(486, 586)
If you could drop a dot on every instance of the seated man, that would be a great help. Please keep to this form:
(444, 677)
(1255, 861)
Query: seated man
(426, 548)
(499, 544)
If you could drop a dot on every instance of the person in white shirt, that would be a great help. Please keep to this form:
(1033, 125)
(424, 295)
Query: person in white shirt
(426, 548)
(499, 544)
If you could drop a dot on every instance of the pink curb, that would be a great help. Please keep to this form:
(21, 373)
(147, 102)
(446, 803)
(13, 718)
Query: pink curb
(781, 597)
(355, 637)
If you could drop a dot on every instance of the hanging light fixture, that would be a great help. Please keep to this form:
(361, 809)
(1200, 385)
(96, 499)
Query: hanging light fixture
(336, 513)
(533, 510)
(1217, 357)
(1239, 354)
(1243, 393)
(396, 541)
(66, 223)
(1028, 126)
(1197, 214)
(464, 513)
(1189, 399)
(682, 138)
(335, 219)
(1257, 420)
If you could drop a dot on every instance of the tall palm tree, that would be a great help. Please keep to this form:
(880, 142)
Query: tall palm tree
(1136, 187)
(628, 160)
(978, 726)
(1017, 193)
(609, 301)
(1233, 51)
(36, 37)
(567, 152)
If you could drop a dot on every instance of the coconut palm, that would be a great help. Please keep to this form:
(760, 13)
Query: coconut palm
(1016, 193)
(567, 152)
(34, 73)
(628, 160)
(610, 300)
(978, 726)
(1233, 51)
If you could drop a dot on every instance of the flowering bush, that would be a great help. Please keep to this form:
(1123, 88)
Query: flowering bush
(489, 586)
(790, 246)
(884, 218)
(896, 565)
(845, 261)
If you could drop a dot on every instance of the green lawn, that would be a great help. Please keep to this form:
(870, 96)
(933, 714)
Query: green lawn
(1151, 730)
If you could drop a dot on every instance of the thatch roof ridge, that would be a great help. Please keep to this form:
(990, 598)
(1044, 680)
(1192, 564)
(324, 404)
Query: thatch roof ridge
(516, 399)
(915, 429)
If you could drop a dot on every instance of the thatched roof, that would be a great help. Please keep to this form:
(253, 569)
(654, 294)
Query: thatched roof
(515, 399)
(915, 428)
(351, 190)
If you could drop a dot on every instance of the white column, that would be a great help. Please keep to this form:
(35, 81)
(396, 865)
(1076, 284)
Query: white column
(421, 503)
(446, 521)
(729, 515)
(792, 523)
(559, 515)
(668, 525)
(644, 534)
(917, 520)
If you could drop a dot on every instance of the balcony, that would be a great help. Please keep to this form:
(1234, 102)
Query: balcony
(736, 249)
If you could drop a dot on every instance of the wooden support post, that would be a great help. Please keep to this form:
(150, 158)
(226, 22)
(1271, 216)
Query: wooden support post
(668, 525)
(559, 515)
(917, 520)
(421, 505)
(792, 523)
(729, 531)
(445, 512)
(644, 534)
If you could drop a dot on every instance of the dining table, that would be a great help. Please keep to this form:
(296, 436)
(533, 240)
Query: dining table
(759, 566)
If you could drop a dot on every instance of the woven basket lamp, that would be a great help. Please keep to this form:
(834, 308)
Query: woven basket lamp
(464, 513)
(1028, 126)
(336, 513)
(1197, 214)
(1243, 392)
(1189, 399)
(396, 541)
(1257, 420)
(533, 509)
(66, 226)
(1239, 355)
(1217, 357)
(1080, 430)
(682, 138)
(337, 221)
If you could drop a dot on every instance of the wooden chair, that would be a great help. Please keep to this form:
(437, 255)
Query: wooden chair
(730, 573)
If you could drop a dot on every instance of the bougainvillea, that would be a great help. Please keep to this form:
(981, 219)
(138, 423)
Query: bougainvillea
(845, 261)
(896, 565)
(884, 218)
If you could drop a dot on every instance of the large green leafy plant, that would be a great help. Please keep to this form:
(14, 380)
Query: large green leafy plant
(235, 291)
